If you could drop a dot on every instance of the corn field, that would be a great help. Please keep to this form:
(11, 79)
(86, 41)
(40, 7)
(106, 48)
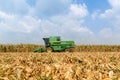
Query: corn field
(85, 62)
(81, 48)
(60, 66)
(18, 47)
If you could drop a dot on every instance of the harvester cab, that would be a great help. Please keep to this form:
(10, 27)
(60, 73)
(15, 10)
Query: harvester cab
(46, 40)
(55, 44)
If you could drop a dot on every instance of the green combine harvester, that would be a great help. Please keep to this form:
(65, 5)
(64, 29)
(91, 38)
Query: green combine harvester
(54, 44)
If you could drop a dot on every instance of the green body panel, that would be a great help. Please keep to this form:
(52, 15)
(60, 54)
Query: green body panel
(52, 39)
(56, 44)
(62, 45)
(57, 48)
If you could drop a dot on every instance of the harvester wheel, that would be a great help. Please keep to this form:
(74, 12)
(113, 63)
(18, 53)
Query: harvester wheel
(67, 50)
(72, 49)
(49, 50)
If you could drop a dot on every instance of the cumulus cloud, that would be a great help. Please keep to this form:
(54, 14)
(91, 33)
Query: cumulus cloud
(104, 33)
(17, 24)
(22, 22)
(65, 20)
(115, 3)
(95, 14)
(5, 16)
(112, 15)
(47, 8)
(111, 18)
(14, 6)
(79, 10)
(109, 36)
(69, 26)
(17, 29)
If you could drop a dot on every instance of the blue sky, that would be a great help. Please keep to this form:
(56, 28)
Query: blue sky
(84, 21)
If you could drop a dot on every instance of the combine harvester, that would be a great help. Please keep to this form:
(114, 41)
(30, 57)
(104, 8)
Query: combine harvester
(54, 44)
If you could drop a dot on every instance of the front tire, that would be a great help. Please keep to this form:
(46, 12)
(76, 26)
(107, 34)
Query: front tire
(49, 50)
(67, 50)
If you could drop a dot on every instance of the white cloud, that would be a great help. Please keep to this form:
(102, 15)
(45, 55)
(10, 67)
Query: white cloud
(16, 23)
(106, 33)
(17, 29)
(78, 10)
(69, 26)
(29, 23)
(110, 20)
(108, 14)
(5, 16)
(22, 23)
(48, 8)
(112, 16)
(108, 36)
(79, 29)
(115, 3)
(31, 27)
(14, 6)
(95, 14)
(114, 11)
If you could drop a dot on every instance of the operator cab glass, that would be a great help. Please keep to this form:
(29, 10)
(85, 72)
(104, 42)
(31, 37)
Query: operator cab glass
(46, 40)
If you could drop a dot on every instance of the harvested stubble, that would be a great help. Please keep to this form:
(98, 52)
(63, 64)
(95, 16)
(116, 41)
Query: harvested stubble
(60, 66)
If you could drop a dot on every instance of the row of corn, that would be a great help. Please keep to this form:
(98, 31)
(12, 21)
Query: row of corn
(80, 48)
